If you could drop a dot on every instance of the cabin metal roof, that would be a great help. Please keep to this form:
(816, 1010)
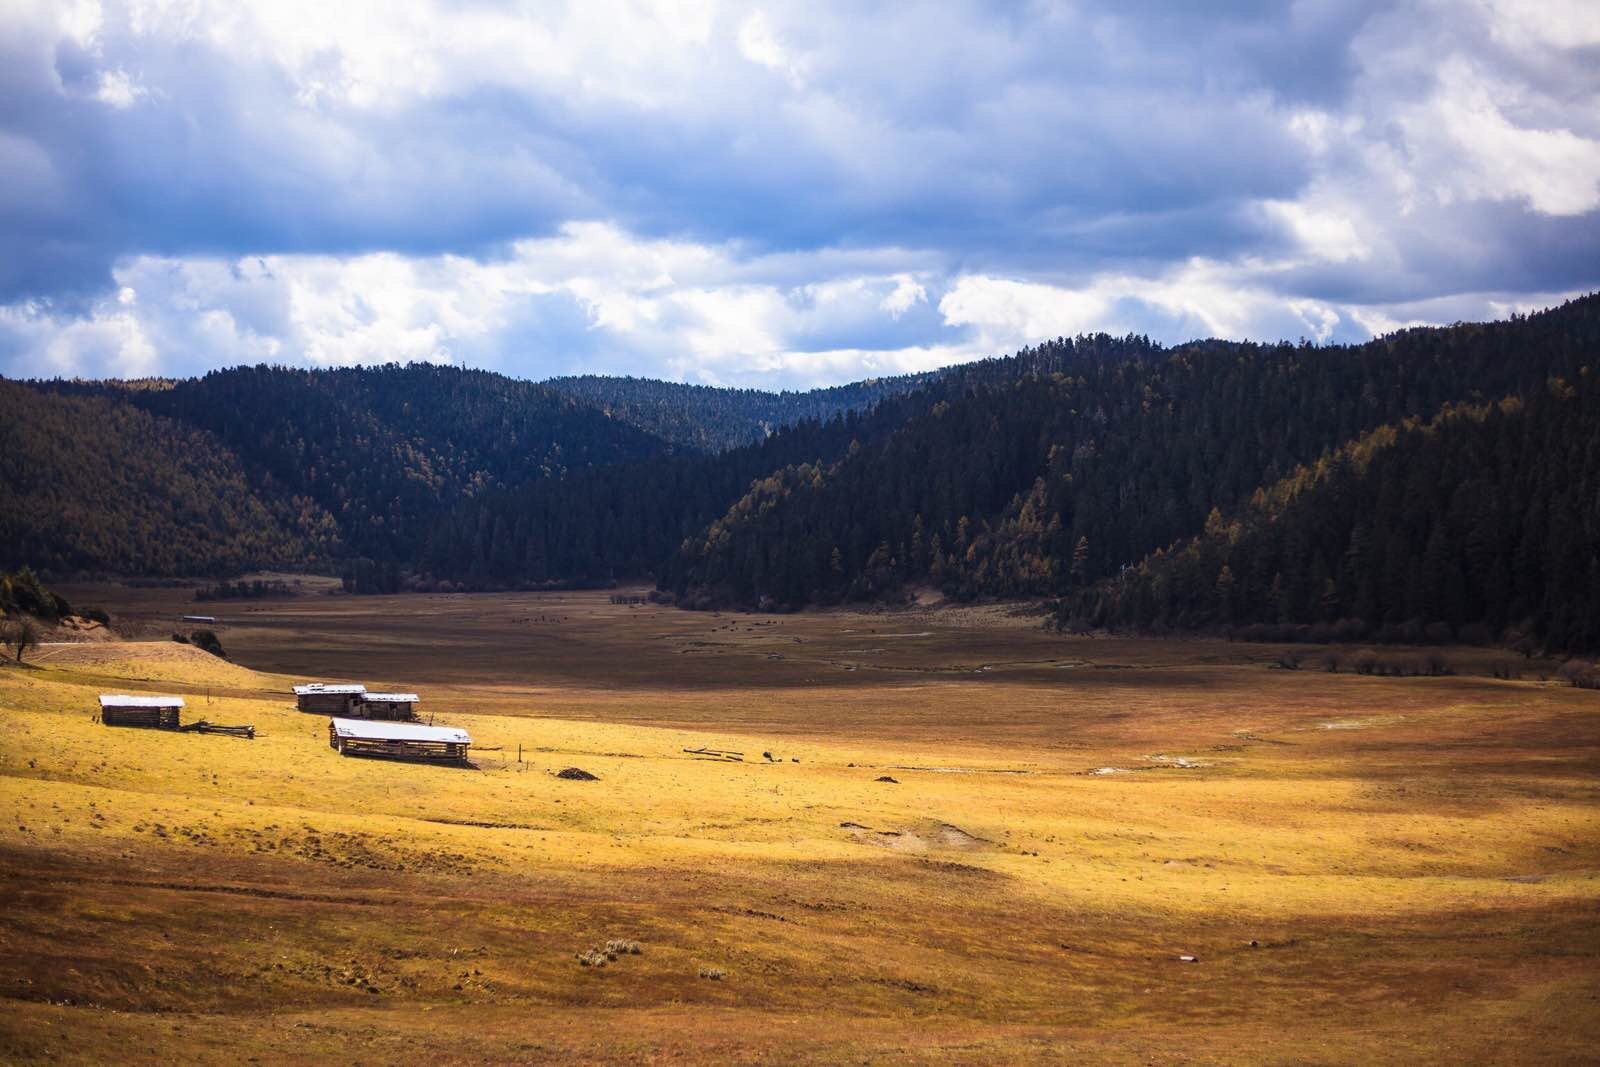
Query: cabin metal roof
(314, 688)
(390, 698)
(370, 730)
(122, 700)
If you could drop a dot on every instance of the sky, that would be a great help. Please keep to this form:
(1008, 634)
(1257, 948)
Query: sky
(778, 195)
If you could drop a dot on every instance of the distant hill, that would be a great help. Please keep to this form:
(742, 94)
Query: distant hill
(713, 419)
(1049, 473)
(382, 450)
(357, 468)
(627, 521)
(93, 483)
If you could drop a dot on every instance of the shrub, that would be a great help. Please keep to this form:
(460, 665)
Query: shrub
(1507, 669)
(1397, 666)
(21, 592)
(1519, 642)
(1365, 662)
(1331, 662)
(1436, 665)
(1579, 674)
(207, 641)
(19, 635)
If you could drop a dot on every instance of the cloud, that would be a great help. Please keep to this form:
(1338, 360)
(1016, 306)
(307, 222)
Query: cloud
(588, 298)
(782, 193)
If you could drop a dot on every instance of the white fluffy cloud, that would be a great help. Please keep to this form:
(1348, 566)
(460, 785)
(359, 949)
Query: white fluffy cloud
(786, 194)
(620, 304)
(593, 299)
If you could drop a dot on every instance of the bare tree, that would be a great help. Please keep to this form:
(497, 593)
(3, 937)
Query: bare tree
(21, 635)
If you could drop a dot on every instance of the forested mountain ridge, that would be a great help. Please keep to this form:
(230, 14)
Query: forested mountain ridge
(1482, 519)
(385, 450)
(610, 523)
(363, 464)
(91, 483)
(1043, 474)
(715, 419)
(1046, 482)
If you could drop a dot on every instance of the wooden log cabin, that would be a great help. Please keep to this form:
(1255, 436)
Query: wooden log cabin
(400, 706)
(326, 698)
(397, 740)
(154, 712)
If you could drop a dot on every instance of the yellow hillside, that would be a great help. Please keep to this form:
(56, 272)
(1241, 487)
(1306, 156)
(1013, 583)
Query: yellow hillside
(146, 661)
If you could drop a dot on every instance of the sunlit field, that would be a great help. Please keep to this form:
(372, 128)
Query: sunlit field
(1103, 848)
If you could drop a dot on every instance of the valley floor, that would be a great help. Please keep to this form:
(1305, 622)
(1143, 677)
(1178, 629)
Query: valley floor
(1363, 869)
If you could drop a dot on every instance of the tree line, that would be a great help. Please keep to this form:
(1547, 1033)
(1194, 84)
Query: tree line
(1052, 480)
(1480, 524)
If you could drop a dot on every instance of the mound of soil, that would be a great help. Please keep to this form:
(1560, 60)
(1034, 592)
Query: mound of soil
(577, 774)
(886, 778)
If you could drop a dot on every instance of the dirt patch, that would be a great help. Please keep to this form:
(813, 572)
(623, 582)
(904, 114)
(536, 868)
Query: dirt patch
(576, 774)
(76, 629)
(1360, 724)
(924, 837)
(1182, 763)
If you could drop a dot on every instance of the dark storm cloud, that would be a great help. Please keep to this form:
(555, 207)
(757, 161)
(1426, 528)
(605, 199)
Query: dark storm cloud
(1036, 136)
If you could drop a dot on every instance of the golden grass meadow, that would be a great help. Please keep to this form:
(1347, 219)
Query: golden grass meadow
(1362, 869)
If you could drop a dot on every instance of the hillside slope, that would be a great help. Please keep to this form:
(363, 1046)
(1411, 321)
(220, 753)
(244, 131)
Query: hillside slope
(1484, 518)
(627, 521)
(384, 450)
(1045, 481)
(94, 484)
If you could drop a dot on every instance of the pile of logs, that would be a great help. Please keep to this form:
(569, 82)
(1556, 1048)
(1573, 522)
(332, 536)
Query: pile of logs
(718, 754)
(203, 727)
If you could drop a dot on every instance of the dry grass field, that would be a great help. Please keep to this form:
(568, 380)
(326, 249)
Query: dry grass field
(1364, 869)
